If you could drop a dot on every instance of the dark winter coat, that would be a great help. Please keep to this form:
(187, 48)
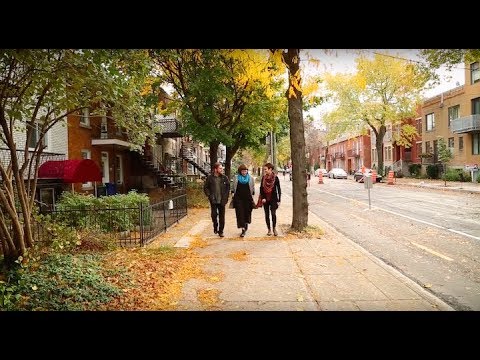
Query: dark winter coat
(209, 188)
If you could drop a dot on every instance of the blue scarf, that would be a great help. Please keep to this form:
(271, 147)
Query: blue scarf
(243, 179)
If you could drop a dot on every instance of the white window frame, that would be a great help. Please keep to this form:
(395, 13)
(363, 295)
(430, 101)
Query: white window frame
(36, 133)
(119, 169)
(475, 72)
(85, 117)
(430, 120)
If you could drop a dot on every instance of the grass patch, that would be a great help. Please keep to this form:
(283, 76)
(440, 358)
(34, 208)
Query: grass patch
(309, 232)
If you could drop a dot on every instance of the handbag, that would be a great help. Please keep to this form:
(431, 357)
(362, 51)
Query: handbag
(259, 202)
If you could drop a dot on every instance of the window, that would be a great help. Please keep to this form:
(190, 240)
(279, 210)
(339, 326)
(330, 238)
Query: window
(475, 69)
(460, 143)
(418, 125)
(430, 121)
(388, 153)
(419, 149)
(85, 117)
(476, 144)
(453, 113)
(451, 142)
(118, 169)
(428, 147)
(104, 128)
(86, 154)
(35, 138)
(47, 199)
(476, 106)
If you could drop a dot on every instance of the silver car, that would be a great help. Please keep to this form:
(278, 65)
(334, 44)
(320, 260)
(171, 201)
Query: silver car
(337, 173)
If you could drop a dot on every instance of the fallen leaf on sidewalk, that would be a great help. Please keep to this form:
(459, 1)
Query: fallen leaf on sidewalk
(427, 285)
(300, 298)
(239, 255)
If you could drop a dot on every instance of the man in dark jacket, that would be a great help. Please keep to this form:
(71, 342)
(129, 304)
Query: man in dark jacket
(217, 189)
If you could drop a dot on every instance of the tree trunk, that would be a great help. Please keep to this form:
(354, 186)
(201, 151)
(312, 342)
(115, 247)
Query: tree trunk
(297, 140)
(228, 161)
(379, 144)
(213, 154)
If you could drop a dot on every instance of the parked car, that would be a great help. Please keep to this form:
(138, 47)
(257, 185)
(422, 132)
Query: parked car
(324, 172)
(358, 175)
(337, 173)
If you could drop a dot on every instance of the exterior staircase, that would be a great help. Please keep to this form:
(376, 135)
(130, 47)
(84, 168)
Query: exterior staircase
(187, 154)
(164, 177)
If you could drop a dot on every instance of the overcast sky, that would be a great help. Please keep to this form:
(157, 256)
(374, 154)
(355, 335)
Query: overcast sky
(343, 61)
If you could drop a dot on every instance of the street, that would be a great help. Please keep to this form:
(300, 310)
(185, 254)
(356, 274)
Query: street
(430, 236)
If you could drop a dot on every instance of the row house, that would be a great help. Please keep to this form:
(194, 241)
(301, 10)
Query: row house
(348, 153)
(55, 149)
(164, 164)
(454, 115)
(358, 151)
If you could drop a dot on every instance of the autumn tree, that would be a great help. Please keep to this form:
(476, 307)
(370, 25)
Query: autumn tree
(224, 96)
(291, 59)
(449, 57)
(444, 155)
(38, 89)
(384, 90)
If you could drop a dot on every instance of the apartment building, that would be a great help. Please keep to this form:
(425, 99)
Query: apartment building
(454, 115)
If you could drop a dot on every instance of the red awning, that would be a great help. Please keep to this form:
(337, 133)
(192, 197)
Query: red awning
(70, 171)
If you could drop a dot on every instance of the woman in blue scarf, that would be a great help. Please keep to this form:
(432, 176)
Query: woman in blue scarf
(243, 190)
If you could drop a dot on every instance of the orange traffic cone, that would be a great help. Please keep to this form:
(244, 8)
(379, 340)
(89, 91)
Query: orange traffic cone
(320, 177)
(390, 178)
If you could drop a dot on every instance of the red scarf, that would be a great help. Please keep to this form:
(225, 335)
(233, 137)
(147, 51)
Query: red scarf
(268, 183)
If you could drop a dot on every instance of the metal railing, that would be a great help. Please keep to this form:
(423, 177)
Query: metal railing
(466, 124)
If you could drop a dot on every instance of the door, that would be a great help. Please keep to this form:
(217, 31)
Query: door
(105, 168)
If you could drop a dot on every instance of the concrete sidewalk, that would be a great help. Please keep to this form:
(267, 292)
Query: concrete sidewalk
(260, 272)
(465, 187)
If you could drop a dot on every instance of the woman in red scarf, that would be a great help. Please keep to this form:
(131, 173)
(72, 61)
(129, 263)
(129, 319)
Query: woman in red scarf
(271, 193)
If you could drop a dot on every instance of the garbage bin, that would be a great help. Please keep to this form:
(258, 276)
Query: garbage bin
(101, 191)
(111, 188)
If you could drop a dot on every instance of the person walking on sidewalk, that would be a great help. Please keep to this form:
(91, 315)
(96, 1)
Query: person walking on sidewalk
(217, 189)
(243, 190)
(270, 193)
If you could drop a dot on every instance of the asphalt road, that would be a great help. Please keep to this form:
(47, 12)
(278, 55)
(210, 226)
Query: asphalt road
(431, 236)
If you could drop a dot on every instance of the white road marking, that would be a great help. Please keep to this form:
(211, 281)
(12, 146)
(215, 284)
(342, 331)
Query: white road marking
(432, 251)
(405, 216)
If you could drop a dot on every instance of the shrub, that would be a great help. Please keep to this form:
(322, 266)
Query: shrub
(59, 282)
(451, 175)
(78, 211)
(414, 169)
(432, 171)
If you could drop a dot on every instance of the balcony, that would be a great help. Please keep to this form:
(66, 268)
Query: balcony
(465, 124)
(170, 126)
(353, 153)
(105, 135)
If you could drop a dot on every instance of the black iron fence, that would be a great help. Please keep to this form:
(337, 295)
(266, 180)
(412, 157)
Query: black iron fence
(131, 226)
